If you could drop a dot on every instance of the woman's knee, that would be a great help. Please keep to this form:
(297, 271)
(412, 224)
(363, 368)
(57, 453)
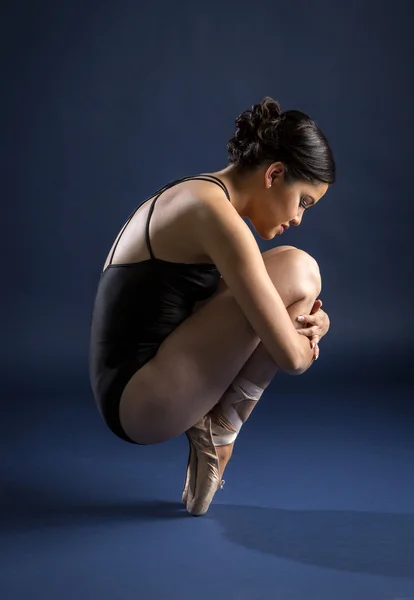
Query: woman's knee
(288, 264)
(296, 266)
(269, 254)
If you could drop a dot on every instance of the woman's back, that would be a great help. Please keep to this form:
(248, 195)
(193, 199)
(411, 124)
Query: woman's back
(141, 297)
(170, 231)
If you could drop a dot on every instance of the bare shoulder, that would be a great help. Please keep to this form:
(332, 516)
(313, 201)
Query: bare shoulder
(203, 214)
(217, 226)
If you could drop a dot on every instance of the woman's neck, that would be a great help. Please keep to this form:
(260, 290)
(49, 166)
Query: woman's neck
(241, 186)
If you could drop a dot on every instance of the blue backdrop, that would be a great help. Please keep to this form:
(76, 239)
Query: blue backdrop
(104, 102)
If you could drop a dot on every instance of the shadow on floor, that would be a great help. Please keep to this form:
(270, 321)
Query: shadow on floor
(28, 508)
(362, 542)
(356, 541)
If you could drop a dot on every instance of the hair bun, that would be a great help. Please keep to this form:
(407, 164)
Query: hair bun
(264, 134)
(267, 112)
(253, 124)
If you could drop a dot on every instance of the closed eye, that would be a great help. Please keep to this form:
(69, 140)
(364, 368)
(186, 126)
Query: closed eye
(305, 204)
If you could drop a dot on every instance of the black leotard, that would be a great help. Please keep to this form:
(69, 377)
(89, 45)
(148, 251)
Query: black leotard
(137, 306)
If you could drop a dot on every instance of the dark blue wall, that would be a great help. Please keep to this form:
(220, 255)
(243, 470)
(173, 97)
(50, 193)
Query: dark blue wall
(103, 102)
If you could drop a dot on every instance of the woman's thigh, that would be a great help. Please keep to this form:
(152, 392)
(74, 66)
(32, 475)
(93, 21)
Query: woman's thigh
(197, 362)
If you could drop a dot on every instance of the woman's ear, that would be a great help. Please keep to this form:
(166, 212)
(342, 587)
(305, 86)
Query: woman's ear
(273, 172)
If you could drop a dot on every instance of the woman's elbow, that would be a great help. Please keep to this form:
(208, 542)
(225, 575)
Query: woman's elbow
(295, 366)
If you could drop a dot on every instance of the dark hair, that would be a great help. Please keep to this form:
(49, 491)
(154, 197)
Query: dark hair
(266, 134)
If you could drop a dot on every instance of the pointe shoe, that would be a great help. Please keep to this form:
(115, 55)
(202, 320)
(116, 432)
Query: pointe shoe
(203, 475)
(190, 472)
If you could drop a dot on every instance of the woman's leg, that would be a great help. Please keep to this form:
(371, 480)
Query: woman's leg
(196, 364)
(259, 371)
(212, 439)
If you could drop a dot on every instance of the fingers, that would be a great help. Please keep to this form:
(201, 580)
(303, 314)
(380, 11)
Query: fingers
(309, 331)
(316, 306)
(315, 340)
(311, 327)
(307, 319)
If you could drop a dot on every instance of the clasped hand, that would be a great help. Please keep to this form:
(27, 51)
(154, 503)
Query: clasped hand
(314, 326)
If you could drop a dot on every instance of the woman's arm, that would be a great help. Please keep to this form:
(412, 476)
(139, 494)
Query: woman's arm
(227, 239)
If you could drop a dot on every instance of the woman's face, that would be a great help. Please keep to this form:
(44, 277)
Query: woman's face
(280, 204)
